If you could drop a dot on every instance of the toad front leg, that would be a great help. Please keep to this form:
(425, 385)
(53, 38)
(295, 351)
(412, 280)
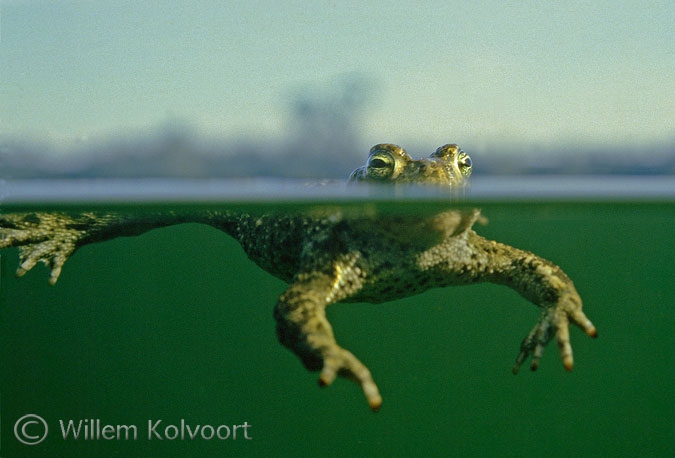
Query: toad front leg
(547, 286)
(470, 258)
(303, 328)
(52, 237)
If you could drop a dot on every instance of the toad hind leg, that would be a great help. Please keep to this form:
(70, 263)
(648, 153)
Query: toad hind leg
(302, 326)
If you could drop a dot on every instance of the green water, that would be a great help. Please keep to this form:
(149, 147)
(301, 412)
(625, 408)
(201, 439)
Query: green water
(177, 324)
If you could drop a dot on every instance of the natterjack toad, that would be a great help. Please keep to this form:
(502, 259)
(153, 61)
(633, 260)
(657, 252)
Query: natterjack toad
(329, 255)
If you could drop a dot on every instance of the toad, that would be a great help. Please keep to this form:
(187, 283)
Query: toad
(329, 255)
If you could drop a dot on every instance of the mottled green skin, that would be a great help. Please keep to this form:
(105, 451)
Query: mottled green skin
(328, 256)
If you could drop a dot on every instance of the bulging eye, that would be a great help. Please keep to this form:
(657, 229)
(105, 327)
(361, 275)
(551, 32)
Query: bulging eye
(380, 165)
(464, 160)
(464, 163)
(377, 162)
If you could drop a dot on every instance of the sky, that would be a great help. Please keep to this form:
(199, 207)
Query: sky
(588, 72)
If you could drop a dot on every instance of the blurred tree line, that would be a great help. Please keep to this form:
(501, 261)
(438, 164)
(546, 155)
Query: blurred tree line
(322, 141)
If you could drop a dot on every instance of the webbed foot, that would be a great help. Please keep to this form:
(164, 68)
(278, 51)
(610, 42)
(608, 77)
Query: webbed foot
(302, 327)
(555, 320)
(339, 361)
(49, 238)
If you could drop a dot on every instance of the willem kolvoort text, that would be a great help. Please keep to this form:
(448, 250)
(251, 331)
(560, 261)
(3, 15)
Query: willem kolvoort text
(95, 429)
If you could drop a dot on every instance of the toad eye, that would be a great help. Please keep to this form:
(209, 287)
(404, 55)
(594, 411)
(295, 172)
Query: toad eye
(380, 165)
(464, 160)
(464, 163)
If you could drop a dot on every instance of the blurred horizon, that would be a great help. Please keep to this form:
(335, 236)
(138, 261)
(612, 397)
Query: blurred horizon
(323, 141)
(121, 88)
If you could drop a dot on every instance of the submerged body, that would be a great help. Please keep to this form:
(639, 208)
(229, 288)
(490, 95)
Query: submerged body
(329, 256)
